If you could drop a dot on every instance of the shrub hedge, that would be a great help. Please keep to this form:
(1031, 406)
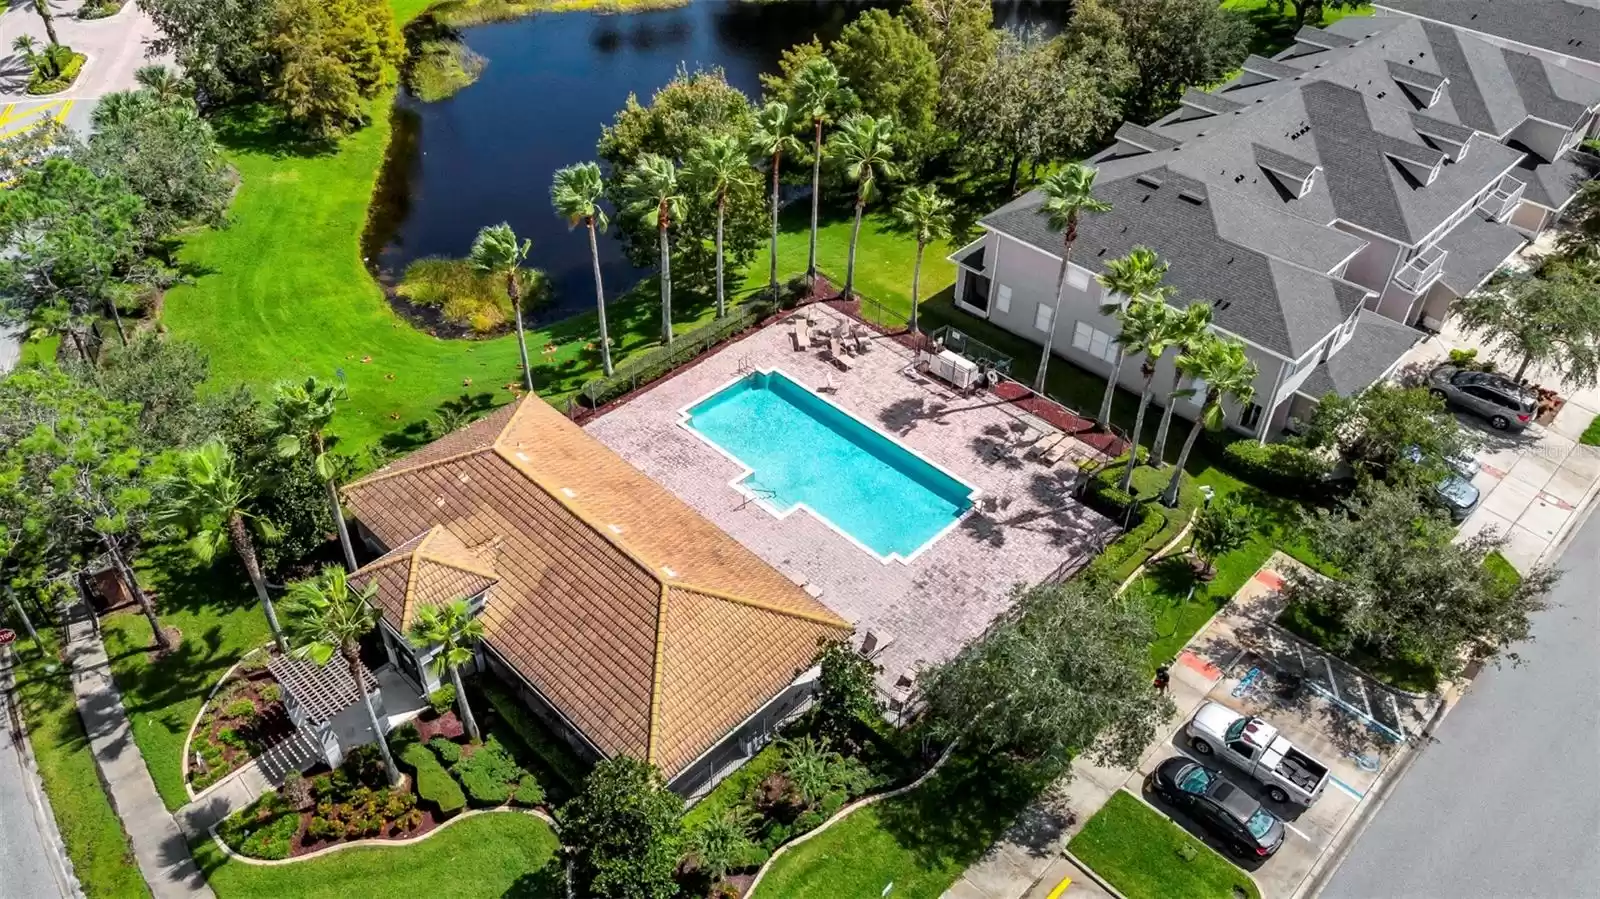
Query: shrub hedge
(1279, 468)
(488, 775)
(69, 73)
(435, 786)
(448, 752)
(263, 829)
(536, 738)
(1127, 552)
(642, 370)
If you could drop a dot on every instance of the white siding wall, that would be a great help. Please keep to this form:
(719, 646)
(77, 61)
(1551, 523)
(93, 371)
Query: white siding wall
(1546, 140)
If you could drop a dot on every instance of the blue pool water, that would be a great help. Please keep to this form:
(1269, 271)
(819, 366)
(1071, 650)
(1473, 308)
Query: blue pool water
(802, 449)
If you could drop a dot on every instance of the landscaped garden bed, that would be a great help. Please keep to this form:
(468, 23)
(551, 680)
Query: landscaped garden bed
(1146, 856)
(244, 718)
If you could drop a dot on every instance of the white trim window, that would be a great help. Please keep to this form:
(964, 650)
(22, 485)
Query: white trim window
(1095, 342)
(1042, 316)
(1077, 278)
(1002, 299)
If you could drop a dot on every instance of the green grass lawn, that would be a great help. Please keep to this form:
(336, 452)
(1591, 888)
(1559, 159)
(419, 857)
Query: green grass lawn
(1591, 434)
(1275, 22)
(502, 854)
(95, 840)
(220, 620)
(920, 841)
(1146, 856)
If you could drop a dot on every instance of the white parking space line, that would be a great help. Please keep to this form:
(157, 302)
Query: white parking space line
(1296, 831)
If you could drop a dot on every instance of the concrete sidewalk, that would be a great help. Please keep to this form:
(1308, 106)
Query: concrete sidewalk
(158, 843)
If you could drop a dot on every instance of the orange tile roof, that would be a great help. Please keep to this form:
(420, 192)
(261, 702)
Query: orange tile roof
(430, 569)
(648, 627)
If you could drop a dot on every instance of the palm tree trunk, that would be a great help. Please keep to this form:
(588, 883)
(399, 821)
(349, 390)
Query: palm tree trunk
(125, 572)
(1158, 452)
(1016, 171)
(666, 288)
(816, 194)
(514, 291)
(353, 662)
(916, 284)
(855, 235)
(246, 548)
(43, 6)
(600, 302)
(722, 211)
(1044, 359)
(1170, 497)
(772, 274)
(1138, 428)
(344, 527)
(465, 709)
(1104, 418)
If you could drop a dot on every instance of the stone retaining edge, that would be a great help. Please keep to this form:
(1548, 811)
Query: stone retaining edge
(845, 812)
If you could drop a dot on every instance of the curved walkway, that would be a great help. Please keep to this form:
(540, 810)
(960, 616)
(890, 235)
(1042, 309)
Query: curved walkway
(158, 843)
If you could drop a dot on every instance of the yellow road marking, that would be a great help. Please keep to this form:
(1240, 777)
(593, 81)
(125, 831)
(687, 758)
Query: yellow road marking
(5, 114)
(20, 122)
(1060, 888)
(66, 107)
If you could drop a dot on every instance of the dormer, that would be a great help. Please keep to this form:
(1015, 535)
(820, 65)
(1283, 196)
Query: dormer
(1199, 105)
(1134, 140)
(1294, 175)
(1423, 87)
(1422, 164)
(1309, 40)
(1261, 70)
(1447, 137)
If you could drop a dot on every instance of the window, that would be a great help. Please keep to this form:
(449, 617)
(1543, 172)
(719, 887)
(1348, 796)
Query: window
(1195, 781)
(1002, 300)
(1245, 750)
(1095, 342)
(1077, 278)
(1041, 317)
(1251, 416)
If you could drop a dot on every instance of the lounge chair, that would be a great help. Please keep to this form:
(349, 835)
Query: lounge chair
(838, 357)
(1046, 444)
(1056, 452)
(862, 344)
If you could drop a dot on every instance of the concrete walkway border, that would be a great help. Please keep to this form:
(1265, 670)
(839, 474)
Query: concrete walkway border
(188, 739)
(845, 812)
(377, 843)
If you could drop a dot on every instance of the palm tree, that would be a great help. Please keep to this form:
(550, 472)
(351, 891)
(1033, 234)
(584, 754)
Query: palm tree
(1126, 279)
(1147, 330)
(716, 167)
(1190, 325)
(773, 135)
(655, 198)
(329, 616)
(455, 630)
(1225, 370)
(495, 251)
(27, 47)
(43, 8)
(816, 90)
(864, 147)
(576, 196)
(204, 498)
(1067, 195)
(927, 213)
(164, 83)
(300, 414)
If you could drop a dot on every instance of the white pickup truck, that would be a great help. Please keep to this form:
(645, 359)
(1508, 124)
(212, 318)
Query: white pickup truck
(1256, 748)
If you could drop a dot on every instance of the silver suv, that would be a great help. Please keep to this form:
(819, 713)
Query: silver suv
(1497, 399)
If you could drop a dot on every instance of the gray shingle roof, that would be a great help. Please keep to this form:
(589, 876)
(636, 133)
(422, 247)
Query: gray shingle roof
(1140, 136)
(1268, 301)
(1551, 183)
(321, 691)
(1210, 102)
(1317, 37)
(1415, 77)
(1427, 126)
(1562, 27)
(1372, 352)
(1476, 247)
(1282, 162)
(1270, 68)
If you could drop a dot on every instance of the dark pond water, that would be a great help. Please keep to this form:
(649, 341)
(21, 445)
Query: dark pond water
(553, 81)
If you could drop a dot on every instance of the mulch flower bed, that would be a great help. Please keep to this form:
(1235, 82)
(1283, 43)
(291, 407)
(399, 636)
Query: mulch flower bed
(243, 719)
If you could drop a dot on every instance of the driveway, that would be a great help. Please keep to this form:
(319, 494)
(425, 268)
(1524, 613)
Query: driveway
(115, 46)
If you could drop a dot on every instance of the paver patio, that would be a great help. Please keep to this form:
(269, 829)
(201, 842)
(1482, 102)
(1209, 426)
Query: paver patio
(1025, 527)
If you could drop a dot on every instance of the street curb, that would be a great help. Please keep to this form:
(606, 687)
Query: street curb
(36, 792)
(1093, 874)
(1558, 544)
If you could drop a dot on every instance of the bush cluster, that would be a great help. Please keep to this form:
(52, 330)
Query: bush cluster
(1114, 562)
(646, 368)
(364, 812)
(555, 757)
(434, 784)
(1279, 468)
(443, 699)
(43, 82)
(467, 297)
(263, 829)
(489, 775)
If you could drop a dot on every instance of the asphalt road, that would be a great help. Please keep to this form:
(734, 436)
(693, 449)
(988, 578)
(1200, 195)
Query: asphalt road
(26, 868)
(1507, 803)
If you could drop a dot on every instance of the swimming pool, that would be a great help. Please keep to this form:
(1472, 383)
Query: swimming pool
(803, 451)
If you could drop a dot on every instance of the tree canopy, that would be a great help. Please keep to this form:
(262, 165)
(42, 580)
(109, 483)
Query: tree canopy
(1177, 44)
(1399, 434)
(1549, 317)
(625, 831)
(332, 56)
(1408, 590)
(893, 75)
(1066, 672)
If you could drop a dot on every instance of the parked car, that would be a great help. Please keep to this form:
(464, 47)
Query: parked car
(1502, 402)
(1256, 748)
(1455, 493)
(1222, 808)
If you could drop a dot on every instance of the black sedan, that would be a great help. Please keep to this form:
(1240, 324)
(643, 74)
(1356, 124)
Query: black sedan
(1228, 812)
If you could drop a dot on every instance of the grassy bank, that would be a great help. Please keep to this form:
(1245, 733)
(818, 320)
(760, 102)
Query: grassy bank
(503, 854)
(1146, 856)
(101, 857)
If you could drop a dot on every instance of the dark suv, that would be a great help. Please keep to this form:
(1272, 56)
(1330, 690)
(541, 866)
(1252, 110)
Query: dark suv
(1497, 399)
(1230, 813)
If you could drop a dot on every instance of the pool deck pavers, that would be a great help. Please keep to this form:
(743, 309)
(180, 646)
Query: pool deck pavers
(1025, 527)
